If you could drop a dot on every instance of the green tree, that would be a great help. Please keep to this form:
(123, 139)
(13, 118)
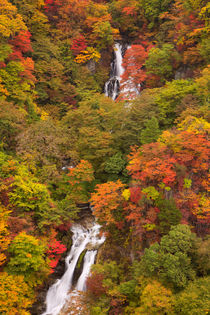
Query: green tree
(194, 299)
(92, 129)
(170, 260)
(131, 120)
(170, 96)
(169, 215)
(27, 258)
(201, 256)
(152, 10)
(160, 61)
(115, 167)
(151, 131)
(28, 195)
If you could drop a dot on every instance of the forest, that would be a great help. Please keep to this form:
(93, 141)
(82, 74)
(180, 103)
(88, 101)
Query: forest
(141, 160)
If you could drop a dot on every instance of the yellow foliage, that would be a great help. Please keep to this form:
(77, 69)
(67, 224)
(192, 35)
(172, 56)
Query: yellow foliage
(10, 21)
(3, 91)
(126, 194)
(171, 140)
(88, 54)
(15, 295)
(4, 241)
(155, 299)
(43, 114)
(203, 83)
(192, 123)
(203, 209)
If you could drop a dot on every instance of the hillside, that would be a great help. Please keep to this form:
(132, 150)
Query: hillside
(139, 156)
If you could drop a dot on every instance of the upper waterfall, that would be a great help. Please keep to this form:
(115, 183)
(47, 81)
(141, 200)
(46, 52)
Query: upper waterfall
(112, 86)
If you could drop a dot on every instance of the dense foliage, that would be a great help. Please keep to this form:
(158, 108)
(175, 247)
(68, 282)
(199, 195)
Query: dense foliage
(142, 160)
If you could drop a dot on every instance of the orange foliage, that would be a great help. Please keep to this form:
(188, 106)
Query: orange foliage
(152, 164)
(4, 239)
(15, 295)
(134, 73)
(107, 200)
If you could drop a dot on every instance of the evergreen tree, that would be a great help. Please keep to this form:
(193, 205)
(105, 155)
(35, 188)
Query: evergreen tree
(151, 132)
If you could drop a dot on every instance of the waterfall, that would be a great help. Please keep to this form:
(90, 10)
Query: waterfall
(58, 293)
(112, 86)
(88, 262)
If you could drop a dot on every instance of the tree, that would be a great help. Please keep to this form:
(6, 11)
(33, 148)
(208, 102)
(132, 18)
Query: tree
(46, 143)
(201, 256)
(4, 233)
(103, 282)
(169, 97)
(152, 10)
(92, 129)
(27, 259)
(95, 284)
(131, 120)
(115, 166)
(55, 250)
(16, 295)
(10, 21)
(171, 259)
(107, 202)
(134, 74)
(152, 163)
(194, 299)
(155, 299)
(12, 122)
(169, 215)
(125, 16)
(78, 45)
(28, 195)
(80, 178)
(160, 62)
(151, 132)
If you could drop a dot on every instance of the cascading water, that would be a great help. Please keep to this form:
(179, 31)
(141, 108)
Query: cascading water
(112, 86)
(58, 293)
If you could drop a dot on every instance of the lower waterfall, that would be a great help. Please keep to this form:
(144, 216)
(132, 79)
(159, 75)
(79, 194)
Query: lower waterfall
(82, 238)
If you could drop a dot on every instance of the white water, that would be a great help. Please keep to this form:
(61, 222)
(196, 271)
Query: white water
(88, 262)
(58, 293)
(112, 86)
